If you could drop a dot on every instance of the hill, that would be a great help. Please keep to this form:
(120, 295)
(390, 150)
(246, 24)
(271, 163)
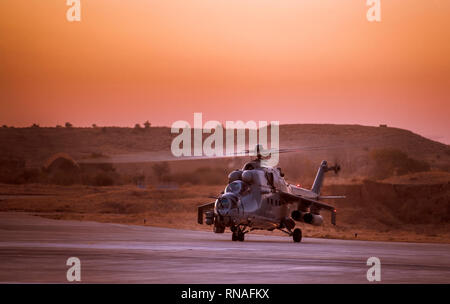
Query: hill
(37, 144)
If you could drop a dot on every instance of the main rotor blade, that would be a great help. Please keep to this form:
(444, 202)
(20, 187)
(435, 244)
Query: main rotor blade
(142, 157)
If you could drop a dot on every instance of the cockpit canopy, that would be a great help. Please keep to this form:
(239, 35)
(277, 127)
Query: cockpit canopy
(236, 187)
(235, 175)
(226, 202)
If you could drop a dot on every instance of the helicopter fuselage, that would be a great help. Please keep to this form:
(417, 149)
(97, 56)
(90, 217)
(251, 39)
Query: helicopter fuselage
(255, 201)
(258, 197)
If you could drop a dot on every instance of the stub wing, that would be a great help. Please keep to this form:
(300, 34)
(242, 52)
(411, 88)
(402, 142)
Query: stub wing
(305, 202)
(202, 209)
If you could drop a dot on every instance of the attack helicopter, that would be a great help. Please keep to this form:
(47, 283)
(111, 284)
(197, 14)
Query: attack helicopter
(258, 197)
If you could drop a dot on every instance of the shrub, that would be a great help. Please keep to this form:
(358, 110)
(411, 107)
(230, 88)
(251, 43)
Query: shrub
(11, 170)
(102, 174)
(63, 178)
(103, 179)
(390, 162)
(32, 175)
(22, 176)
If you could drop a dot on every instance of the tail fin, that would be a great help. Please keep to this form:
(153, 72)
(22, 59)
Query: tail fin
(319, 177)
(318, 181)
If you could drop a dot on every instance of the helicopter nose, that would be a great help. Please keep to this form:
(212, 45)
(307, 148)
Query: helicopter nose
(226, 203)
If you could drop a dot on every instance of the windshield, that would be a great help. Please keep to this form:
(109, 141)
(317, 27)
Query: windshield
(236, 187)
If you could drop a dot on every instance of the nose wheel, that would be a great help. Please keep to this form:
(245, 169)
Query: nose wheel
(218, 228)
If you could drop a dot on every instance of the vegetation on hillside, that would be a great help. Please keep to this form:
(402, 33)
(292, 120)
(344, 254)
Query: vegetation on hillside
(393, 162)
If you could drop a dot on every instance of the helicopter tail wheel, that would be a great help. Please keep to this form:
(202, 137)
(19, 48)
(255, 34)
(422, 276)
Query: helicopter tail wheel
(297, 235)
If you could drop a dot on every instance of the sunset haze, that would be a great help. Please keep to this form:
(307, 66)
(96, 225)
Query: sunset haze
(288, 60)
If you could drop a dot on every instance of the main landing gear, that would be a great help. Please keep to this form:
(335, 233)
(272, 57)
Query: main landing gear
(297, 235)
(238, 234)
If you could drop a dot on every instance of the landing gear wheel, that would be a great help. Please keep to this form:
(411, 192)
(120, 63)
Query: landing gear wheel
(240, 236)
(297, 235)
(218, 228)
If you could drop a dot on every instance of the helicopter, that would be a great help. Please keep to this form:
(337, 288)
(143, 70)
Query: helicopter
(257, 197)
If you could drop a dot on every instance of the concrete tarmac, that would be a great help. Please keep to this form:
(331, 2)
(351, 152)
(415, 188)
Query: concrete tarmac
(34, 249)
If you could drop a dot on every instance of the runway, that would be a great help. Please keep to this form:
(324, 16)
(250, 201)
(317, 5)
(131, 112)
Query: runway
(34, 249)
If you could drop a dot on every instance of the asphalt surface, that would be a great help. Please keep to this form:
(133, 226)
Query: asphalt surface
(34, 249)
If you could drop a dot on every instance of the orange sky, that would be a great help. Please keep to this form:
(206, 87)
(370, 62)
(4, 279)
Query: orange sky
(296, 61)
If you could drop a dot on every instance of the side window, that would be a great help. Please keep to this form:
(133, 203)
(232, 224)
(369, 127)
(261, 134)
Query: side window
(274, 202)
